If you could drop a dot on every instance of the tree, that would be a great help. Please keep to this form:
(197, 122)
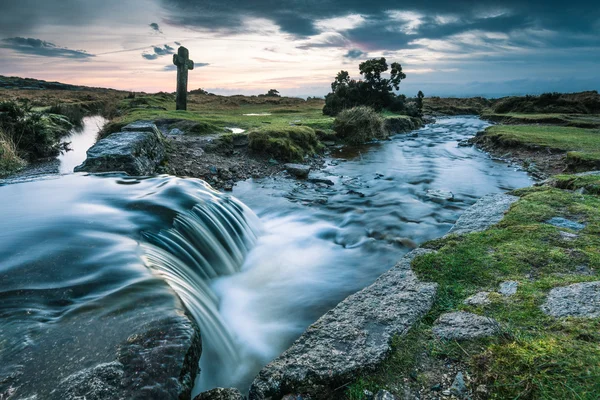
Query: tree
(420, 96)
(373, 90)
(273, 93)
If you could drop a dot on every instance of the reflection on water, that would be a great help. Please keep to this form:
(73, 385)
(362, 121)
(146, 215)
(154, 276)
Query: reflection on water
(80, 141)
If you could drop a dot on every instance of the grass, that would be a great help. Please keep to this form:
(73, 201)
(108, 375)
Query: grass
(537, 356)
(581, 145)
(359, 125)
(10, 161)
(574, 120)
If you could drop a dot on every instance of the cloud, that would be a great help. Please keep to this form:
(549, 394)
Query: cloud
(158, 51)
(154, 26)
(172, 67)
(41, 48)
(355, 53)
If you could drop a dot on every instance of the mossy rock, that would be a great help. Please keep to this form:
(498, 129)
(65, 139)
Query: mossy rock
(285, 144)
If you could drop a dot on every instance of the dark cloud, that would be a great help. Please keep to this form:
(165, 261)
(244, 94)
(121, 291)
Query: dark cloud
(355, 53)
(159, 52)
(41, 48)
(154, 26)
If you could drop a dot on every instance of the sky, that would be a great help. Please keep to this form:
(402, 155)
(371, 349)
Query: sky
(446, 48)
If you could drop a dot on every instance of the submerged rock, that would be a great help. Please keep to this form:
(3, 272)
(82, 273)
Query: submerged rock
(577, 300)
(439, 195)
(137, 150)
(300, 171)
(463, 326)
(349, 339)
(220, 394)
(487, 211)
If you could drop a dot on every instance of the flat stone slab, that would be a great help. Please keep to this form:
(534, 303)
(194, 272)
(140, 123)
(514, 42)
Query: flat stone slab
(561, 222)
(137, 153)
(298, 170)
(577, 300)
(487, 211)
(351, 338)
(142, 126)
(464, 326)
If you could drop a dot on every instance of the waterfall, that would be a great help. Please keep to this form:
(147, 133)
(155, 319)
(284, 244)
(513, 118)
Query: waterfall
(209, 241)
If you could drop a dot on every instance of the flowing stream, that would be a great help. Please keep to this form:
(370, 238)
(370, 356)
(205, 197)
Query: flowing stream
(84, 254)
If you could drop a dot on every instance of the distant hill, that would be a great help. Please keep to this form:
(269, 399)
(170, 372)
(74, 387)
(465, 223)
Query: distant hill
(15, 82)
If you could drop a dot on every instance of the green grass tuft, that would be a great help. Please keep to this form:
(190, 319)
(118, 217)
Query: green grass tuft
(290, 143)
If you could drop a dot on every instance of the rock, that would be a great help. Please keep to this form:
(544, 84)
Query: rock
(273, 161)
(561, 222)
(508, 288)
(100, 382)
(478, 299)
(220, 394)
(459, 388)
(142, 126)
(300, 171)
(351, 338)
(439, 195)
(577, 300)
(368, 395)
(213, 170)
(327, 182)
(463, 326)
(567, 236)
(134, 152)
(487, 211)
(464, 143)
(176, 131)
(384, 395)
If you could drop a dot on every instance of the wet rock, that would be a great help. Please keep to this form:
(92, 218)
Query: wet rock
(359, 194)
(459, 388)
(384, 395)
(351, 338)
(220, 394)
(478, 299)
(464, 143)
(300, 171)
(176, 131)
(439, 195)
(100, 382)
(463, 326)
(327, 182)
(577, 300)
(561, 222)
(136, 152)
(508, 288)
(487, 211)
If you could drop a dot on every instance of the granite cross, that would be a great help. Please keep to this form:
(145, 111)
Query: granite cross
(183, 62)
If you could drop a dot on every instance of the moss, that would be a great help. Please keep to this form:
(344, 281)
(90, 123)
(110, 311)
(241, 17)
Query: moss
(537, 356)
(285, 144)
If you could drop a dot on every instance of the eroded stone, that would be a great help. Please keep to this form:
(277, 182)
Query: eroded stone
(577, 300)
(487, 211)
(463, 326)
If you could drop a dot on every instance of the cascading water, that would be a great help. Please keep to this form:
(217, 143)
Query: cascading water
(103, 247)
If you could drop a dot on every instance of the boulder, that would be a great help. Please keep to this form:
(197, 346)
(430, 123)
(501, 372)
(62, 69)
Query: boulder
(439, 195)
(577, 300)
(463, 326)
(137, 150)
(220, 394)
(351, 338)
(487, 211)
(300, 171)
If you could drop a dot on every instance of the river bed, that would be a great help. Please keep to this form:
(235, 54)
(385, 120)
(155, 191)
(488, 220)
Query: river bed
(71, 243)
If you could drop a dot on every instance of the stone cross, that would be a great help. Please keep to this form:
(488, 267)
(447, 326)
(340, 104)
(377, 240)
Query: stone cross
(183, 62)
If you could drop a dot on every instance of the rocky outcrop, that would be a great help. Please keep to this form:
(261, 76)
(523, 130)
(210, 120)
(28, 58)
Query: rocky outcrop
(487, 211)
(137, 150)
(463, 326)
(577, 300)
(351, 338)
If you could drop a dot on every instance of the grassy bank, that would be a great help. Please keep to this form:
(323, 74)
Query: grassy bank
(536, 356)
(581, 146)
(574, 120)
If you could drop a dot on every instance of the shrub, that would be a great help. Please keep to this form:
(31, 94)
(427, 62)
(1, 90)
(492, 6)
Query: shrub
(9, 159)
(285, 144)
(359, 125)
